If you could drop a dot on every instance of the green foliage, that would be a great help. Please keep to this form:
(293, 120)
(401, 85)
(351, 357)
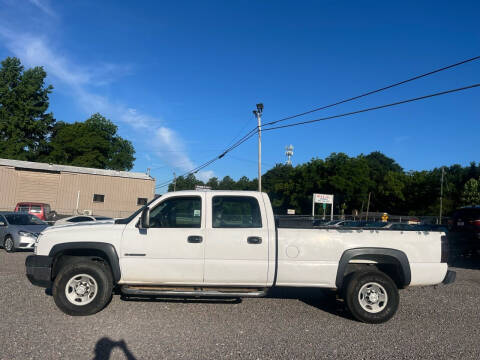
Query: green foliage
(471, 192)
(92, 143)
(351, 179)
(28, 132)
(24, 123)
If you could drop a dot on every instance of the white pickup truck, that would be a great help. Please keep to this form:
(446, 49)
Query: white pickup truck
(228, 244)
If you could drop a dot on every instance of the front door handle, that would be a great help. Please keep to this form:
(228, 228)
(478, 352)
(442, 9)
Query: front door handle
(195, 239)
(254, 240)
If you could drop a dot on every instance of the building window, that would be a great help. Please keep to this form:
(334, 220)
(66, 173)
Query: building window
(98, 198)
(142, 201)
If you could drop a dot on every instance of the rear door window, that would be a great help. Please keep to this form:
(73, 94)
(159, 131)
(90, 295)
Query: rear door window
(235, 212)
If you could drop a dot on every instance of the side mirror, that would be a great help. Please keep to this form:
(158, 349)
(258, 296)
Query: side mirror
(145, 219)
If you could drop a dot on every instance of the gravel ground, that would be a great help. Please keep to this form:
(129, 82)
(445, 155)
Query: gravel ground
(433, 322)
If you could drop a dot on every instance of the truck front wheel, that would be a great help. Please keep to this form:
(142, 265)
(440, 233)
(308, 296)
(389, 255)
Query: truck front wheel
(371, 296)
(82, 287)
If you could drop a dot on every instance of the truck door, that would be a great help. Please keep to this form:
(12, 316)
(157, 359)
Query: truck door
(171, 250)
(236, 241)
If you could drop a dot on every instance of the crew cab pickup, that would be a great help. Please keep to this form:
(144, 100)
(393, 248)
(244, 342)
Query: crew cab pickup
(229, 244)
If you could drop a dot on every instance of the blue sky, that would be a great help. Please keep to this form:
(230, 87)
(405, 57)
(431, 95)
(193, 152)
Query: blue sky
(181, 78)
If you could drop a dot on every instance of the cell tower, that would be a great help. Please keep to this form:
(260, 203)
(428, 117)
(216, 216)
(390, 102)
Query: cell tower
(289, 153)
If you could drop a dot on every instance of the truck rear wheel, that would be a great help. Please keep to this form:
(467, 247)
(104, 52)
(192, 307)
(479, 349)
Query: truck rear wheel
(371, 297)
(82, 287)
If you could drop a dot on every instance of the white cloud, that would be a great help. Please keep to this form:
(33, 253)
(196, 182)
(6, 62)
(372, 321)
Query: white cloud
(43, 5)
(36, 51)
(170, 148)
(205, 175)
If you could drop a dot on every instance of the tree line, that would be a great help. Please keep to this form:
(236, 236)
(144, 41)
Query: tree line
(352, 179)
(29, 132)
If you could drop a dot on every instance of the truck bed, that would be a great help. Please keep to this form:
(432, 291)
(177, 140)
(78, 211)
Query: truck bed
(310, 255)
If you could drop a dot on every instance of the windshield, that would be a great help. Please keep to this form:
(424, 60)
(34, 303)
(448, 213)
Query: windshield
(23, 219)
(130, 218)
(102, 218)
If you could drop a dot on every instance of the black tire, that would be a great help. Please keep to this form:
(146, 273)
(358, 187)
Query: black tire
(11, 248)
(369, 281)
(99, 271)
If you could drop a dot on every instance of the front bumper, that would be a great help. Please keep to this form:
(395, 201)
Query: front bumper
(449, 277)
(39, 270)
(26, 242)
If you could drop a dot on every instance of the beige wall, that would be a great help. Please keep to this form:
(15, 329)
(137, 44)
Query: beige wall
(61, 190)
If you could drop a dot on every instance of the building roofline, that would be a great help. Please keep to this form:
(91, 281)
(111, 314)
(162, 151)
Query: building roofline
(29, 165)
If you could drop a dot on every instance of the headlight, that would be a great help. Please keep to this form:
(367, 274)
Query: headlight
(26, 233)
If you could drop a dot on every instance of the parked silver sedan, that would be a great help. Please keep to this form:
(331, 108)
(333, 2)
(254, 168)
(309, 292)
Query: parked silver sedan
(19, 230)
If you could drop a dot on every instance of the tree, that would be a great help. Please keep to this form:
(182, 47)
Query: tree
(92, 143)
(24, 122)
(471, 192)
(227, 183)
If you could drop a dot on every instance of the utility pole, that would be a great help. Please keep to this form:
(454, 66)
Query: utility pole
(174, 181)
(368, 205)
(441, 195)
(258, 114)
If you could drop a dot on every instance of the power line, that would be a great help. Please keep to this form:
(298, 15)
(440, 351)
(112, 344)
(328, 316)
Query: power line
(254, 130)
(374, 91)
(373, 108)
(204, 165)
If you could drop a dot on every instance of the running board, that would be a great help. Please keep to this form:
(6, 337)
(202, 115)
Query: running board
(140, 290)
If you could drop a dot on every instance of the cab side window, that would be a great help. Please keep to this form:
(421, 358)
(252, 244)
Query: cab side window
(235, 212)
(177, 212)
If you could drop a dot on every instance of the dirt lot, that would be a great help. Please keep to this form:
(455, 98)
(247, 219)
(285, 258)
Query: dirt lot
(433, 322)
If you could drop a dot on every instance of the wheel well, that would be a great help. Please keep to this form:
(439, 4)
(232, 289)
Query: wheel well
(384, 263)
(70, 255)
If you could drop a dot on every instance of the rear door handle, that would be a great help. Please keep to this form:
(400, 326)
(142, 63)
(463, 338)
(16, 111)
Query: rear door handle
(254, 240)
(195, 239)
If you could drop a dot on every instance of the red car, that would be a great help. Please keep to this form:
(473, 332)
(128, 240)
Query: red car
(40, 210)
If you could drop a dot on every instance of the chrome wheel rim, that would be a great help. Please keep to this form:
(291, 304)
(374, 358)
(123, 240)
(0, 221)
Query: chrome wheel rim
(8, 244)
(81, 289)
(372, 297)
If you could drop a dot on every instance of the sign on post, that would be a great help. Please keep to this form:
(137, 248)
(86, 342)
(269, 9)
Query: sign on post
(323, 199)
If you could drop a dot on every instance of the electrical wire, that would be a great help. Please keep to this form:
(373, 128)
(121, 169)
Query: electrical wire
(374, 91)
(204, 165)
(372, 108)
(265, 127)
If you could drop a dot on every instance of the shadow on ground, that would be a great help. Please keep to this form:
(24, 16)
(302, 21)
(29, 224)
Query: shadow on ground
(321, 299)
(325, 300)
(105, 346)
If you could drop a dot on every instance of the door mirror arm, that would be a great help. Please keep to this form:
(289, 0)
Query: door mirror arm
(144, 221)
